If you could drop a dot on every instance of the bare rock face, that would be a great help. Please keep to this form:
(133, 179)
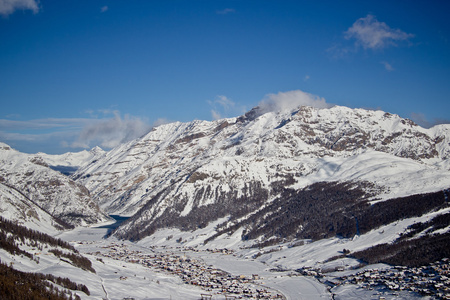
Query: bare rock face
(28, 179)
(186, 175)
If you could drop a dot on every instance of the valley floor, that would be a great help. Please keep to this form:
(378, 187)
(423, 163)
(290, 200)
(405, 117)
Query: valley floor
(121, 278)
(127, 270)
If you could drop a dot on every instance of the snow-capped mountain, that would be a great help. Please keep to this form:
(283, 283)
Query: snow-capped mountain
(189, 174)
(33, 193)
(69, 162)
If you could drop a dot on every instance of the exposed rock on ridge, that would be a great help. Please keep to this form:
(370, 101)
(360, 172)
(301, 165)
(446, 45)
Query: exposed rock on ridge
(187, 174)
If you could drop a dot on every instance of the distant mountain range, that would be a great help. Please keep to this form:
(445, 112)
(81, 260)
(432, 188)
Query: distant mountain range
(41, 198)
(68, 163)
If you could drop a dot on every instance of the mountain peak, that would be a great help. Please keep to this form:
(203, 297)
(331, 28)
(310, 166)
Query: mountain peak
(97, 150)
(177, 172)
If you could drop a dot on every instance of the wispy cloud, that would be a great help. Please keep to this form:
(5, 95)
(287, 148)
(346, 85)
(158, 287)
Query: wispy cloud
(32, 142)
(40, 137)
(421, 119)
(284, 101)
(104, 9)
(387, 66)
(8, 7)
(220, 104)
(43, 124)
(338, 51)
(223, 107)
(370, 33)
(108, 131)
(226, 11)
(161, 121)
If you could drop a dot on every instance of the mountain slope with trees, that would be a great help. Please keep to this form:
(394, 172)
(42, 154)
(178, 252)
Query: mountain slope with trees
(187, 175)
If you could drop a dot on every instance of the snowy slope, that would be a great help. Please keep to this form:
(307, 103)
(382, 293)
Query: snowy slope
(69, 162)
(180, 171)
(28, 178)
(17, 207)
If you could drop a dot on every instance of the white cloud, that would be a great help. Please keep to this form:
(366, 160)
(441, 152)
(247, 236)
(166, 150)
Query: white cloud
(49, 135)
(8, 7)
(284, 101)
(224, 102)
(104, 8)
(51, 142)
(222, 107)
(109, 133)
(29, 137)
(161, 121)
(43, 124)
(46, 135)
(306, 78)
(387, 66)
(372, 34)
(215, 115)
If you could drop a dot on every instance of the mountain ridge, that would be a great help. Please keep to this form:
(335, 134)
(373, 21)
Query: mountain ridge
(28, 182)
(181, 171)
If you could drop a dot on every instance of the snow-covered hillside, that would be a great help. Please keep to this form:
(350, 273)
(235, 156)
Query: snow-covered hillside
(17, 207)
(183, 172)
(28, 183)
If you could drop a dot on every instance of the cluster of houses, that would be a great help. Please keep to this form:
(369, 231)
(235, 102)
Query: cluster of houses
(432, 280)
(195, 272)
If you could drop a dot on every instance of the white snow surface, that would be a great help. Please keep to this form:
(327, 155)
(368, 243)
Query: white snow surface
(16, 207)
(72, 159)
(196, 163)
(118, 279)
(44, 188)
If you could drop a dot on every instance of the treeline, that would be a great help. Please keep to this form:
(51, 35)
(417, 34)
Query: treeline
(22, 233)
(391, 210)
(15, 285)
(8, 243)
(321, 210)
(11, 233)
(318, 211)
(412, 252)
(438, 222)
(328, 209)
(253, 196)
(77, 260)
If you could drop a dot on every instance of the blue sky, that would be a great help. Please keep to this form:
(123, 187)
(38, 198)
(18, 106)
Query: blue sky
(76, 74)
